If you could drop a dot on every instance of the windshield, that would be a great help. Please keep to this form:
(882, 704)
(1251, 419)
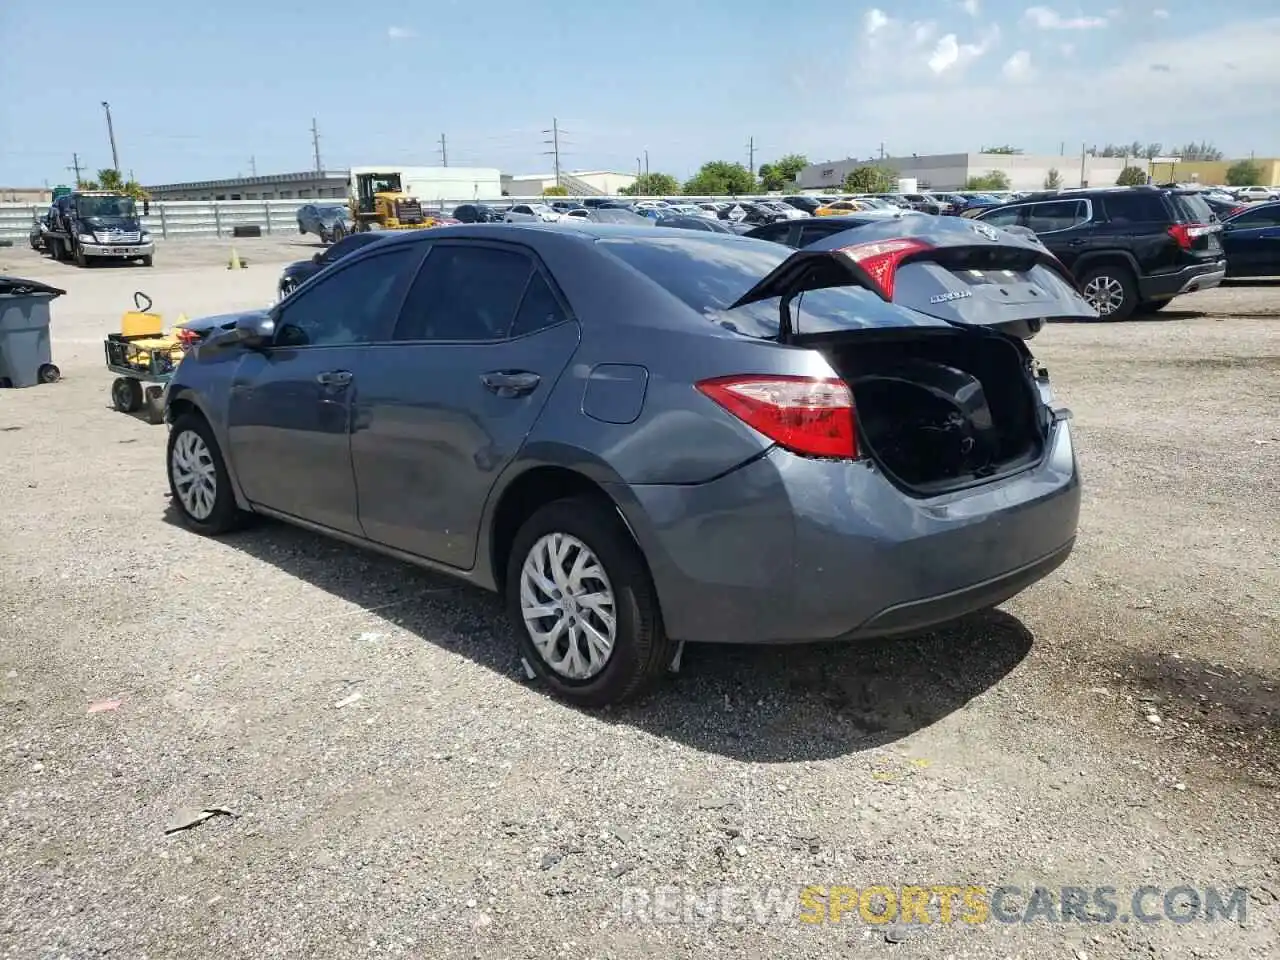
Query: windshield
(105, 206)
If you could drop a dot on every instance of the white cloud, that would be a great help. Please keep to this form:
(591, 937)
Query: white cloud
(875, 21)
(970, 7)
(949, 54)
(1046, 19)
(1068, 49)
(401, 33)
(1017, 66)
(1160, 14)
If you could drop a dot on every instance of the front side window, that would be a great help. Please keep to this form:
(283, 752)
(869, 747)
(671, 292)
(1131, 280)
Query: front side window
(1056, 215)
(349, 306)
(1263, 217)
(1005, 217)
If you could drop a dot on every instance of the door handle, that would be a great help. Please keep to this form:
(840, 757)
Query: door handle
(334, 378)
(511, 383)
(1076, 243)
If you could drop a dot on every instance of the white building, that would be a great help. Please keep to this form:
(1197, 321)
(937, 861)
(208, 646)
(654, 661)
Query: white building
(950, 171)
(580, 183)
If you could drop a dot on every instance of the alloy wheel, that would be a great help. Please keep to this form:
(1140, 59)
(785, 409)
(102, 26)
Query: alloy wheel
(195, 478)
(1105, 294)
(568, 607)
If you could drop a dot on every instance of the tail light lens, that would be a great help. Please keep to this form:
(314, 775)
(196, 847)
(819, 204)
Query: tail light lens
(881, 258)
(807, 415)
(186, 338)
(1234, 210)
(1186, 233)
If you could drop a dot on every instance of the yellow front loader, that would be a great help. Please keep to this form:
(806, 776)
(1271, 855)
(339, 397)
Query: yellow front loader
(380, 203)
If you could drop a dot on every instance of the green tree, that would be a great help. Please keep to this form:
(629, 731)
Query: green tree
(1053, 180)
(109, 179)
(721, 178)
(782, 174)
(653, 185)
(1131, 177)
(1244, 173)
(991, 180)
(1006, 150)
(555, 190)
(870, 179)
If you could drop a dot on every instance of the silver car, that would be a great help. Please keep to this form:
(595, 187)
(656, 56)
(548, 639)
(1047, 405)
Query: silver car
(643, 436)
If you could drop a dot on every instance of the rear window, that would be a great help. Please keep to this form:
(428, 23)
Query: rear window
(1193, 208)
(709, 273)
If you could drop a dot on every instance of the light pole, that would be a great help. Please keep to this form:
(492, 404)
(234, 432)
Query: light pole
(111, 133)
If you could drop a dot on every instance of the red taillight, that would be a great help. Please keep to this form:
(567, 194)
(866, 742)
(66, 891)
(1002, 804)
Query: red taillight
(186, 338)
(880, 259)
(1234, 210)
(1185, 233)
(807, 415)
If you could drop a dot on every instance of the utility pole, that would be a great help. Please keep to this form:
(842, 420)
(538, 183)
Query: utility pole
(881, 149)
(111, 135)
(639, 175)
(646, 164)
(253, 166)
(75, 165)
(554, 143)
(751, 155)
(444, 152)
(1083, 182)
(315, 143)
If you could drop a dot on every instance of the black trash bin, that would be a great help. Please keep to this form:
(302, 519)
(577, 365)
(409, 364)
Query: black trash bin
(25, 354)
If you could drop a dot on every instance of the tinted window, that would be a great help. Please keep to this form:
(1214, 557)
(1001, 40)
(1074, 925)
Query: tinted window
(710, 273)
(1005, 217)
(1056, 215)
(349, 305)
(1267, 216)
(464, 293)
(1135, 207)
(812, 233)
(538, 309)
(347, 245)
(1193, 208)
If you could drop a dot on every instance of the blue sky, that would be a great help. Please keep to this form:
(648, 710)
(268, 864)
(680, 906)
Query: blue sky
(199, 90)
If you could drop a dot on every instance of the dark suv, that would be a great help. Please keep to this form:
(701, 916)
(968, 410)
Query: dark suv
(1132, 249)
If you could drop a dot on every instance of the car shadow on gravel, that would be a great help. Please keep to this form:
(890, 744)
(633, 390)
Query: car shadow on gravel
(759, 704)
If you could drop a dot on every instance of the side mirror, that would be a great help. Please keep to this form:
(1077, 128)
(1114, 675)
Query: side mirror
(317, 258)
(253, 331)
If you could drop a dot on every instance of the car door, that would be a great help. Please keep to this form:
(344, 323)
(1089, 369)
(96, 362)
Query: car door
(480, 342)
(289, 409)
(1063, 226)
(1252, 243)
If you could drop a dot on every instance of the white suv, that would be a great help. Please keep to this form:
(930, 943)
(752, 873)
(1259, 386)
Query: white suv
(1256, 193)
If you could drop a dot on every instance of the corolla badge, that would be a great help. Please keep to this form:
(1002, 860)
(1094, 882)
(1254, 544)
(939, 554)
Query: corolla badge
(985, 230)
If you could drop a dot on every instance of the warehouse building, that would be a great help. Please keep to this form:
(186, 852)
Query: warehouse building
(310, 185)
(579, 183)
(950, 171)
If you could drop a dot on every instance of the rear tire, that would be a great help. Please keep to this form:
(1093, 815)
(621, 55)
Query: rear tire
(593, 538)
(1111, 290)
(198, 479)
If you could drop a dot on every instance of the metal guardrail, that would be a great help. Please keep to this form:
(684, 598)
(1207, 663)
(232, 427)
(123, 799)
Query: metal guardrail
(175, 219)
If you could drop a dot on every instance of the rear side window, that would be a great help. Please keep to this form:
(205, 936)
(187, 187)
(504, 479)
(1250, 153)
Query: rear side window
(1193, 208)
(1056, 215)
(1135, 207)
(464, 293)
(710, 274)
(1006, 217)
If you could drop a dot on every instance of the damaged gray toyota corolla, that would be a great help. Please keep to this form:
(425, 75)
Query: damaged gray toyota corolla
(645, 436)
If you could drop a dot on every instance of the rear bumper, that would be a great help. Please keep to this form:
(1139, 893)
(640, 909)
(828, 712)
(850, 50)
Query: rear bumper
(1198, 276)
(787, 549)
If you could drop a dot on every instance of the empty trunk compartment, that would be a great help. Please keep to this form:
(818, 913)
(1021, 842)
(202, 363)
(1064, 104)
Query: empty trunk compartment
(943, 411)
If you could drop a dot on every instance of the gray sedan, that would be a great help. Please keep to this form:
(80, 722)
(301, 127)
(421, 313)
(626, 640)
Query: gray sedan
(644, 436)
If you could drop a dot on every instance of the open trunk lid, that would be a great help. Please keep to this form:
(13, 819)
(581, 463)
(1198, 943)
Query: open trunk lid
(966, 273)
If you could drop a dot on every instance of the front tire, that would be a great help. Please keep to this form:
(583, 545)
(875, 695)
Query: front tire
(1111, 290)
(583, 605)
(148, 261)
(198, 479)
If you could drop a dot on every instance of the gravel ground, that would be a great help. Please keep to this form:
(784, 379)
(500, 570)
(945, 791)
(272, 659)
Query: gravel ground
(397, 788)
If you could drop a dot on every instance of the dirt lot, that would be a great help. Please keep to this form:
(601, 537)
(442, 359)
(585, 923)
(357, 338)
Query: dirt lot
(1114, 726)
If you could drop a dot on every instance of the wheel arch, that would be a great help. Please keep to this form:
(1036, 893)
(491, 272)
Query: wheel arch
(1090, 261)
(183, 401)
(547, 472)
